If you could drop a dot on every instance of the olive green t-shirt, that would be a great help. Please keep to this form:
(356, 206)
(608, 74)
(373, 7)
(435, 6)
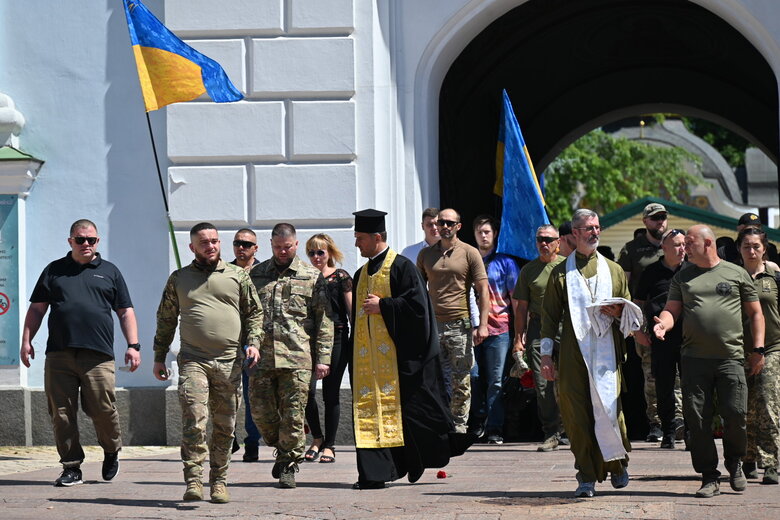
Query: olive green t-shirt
(712, 309)
(533, 281)
(766, 286)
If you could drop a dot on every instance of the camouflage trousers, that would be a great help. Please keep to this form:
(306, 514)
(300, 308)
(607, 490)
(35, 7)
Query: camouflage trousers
(208, 389)
(278, 398)
(457, 358)
(763, 417)
(651, 399)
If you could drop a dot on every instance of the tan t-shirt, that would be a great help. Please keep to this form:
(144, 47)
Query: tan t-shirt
(450, 274)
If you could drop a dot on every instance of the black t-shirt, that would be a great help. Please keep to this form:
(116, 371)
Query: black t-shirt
(339, 283)
(81, 297)
(653, 288)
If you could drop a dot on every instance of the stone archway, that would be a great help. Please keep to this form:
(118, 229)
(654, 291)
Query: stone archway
(567, 64)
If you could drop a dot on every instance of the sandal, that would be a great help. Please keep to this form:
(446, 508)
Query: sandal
(311, 455)
(327, 459)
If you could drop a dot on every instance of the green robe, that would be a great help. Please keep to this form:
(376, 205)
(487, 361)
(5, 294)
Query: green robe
(573, 384)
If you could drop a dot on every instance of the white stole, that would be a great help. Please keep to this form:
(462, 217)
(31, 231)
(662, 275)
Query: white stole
(598, 352)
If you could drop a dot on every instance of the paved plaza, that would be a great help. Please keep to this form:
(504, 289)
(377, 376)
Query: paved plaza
(491, 482)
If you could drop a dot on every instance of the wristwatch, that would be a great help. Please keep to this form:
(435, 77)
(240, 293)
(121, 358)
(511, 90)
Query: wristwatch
(759, 350)
(135, 346)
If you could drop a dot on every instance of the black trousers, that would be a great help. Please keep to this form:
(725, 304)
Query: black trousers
(331, 388)
(665, 365)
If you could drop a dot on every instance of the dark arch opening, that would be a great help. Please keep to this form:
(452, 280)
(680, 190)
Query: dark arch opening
(567, 64)
(570, 65)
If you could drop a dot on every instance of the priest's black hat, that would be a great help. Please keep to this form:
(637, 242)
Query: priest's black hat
(370, 221)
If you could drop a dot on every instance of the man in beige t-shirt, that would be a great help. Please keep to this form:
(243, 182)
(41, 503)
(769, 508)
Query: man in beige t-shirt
(451, 267)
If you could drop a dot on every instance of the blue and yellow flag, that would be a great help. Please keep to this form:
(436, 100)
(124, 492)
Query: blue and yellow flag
(523, 201)
(171, 71)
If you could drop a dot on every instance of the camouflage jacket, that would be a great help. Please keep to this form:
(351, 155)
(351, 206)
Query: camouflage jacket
(297, 324)
(218, 308)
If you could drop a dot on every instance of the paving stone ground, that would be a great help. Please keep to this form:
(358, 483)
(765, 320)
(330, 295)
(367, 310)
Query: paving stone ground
(488, 482)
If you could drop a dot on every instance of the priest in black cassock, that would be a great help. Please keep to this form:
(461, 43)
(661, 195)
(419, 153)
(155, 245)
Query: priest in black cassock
(401, 410)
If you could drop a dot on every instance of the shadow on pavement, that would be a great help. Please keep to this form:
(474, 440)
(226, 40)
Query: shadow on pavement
(170, 504)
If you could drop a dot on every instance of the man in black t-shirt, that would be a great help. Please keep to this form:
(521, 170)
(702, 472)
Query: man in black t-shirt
(651, 293)
(82, 290)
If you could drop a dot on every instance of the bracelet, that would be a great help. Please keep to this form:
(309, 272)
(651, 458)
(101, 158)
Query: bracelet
(135, 346)
(759, 350)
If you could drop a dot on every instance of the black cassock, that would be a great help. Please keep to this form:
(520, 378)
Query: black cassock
(429, 433)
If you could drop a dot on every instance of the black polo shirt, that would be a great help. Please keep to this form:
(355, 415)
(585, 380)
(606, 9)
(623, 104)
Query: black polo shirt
(81, 298)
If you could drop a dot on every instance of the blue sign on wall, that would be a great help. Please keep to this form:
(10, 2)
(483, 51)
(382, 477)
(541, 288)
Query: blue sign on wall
(9, 280)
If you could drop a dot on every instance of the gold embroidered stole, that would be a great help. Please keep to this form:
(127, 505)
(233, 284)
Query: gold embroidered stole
(376, 397)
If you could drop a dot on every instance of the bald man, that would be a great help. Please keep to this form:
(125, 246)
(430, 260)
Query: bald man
(711, 296)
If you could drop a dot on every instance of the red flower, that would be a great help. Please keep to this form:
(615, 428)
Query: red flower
(441, 474)
(527, 380)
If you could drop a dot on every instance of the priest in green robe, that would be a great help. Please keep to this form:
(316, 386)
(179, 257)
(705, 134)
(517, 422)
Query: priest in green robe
(592, 350)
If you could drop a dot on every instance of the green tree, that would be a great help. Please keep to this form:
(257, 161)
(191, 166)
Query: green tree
(602, 172)
(730, 145)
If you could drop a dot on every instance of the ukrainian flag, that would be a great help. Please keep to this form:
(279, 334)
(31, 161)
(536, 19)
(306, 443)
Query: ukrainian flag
(516, 181)
(171, 71)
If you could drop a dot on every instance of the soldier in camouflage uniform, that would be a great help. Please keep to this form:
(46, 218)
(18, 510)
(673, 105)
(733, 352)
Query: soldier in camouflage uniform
(763, 416)
(215, 301)
(298, 334)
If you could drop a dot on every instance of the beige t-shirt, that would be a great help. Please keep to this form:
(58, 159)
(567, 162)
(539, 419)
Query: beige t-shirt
(450, 274)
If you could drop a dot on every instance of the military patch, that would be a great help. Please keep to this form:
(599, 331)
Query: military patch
(723, 288)
(766, 286)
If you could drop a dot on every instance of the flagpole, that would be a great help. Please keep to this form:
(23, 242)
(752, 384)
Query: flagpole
(162, 192)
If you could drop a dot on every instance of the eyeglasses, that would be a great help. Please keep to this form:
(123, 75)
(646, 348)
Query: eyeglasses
(449, 223)
(546, 240)
(658, 217)
(246, 244)
(590, 229)
(90, 240)
(318, 252)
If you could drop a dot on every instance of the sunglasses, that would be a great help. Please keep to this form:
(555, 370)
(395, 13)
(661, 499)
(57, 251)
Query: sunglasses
(243, 243)
(449, 223)
(90, 240)
(546, 240)
(673, 233)
(318, 252)
(658, 217)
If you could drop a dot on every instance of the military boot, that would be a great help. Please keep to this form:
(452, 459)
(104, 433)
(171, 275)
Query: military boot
(287, 477)
(194, 490)
(219, 493)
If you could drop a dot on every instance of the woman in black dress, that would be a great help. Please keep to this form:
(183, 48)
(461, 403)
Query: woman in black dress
(324, 255)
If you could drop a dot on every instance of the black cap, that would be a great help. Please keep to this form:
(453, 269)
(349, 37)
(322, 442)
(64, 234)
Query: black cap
(564, 229)
(370, 221)
(749, 219)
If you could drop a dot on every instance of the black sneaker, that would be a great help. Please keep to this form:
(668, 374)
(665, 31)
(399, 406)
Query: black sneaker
(69, 477)
(655, 434)
(668, 442)
(110, 465)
